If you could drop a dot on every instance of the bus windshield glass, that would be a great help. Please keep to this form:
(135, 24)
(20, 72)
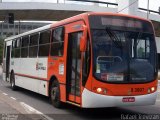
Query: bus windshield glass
(124, 49)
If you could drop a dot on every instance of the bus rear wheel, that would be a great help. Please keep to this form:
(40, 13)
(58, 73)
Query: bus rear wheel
(12, 81)
(55, 94)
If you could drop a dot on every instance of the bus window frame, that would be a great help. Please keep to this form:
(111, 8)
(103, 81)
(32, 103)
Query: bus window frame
(30, 46)
(88, 62)
(26, 36)
(51, 42)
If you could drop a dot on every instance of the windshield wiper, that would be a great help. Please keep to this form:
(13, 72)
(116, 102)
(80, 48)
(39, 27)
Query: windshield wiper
(118, 43)
(114, 38)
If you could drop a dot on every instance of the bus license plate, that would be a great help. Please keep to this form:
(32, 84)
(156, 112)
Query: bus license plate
(128, 99)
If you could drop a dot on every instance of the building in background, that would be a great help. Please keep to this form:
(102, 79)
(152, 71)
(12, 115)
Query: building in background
(7, 30)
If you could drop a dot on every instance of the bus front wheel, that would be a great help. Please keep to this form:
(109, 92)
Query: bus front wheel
(12, 81)
(55, 94)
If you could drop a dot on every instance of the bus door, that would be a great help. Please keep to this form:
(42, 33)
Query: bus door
(74, 64)
(8, 62)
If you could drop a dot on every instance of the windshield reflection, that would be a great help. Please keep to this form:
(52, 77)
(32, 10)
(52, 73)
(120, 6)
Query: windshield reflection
(123, 56)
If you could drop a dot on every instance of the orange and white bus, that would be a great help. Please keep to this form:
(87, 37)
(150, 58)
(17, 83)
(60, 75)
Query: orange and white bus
(90, 60)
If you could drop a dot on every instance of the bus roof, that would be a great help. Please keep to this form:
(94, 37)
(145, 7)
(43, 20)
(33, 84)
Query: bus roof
(74, 18)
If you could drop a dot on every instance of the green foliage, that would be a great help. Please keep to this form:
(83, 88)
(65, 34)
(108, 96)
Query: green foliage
(1, 49)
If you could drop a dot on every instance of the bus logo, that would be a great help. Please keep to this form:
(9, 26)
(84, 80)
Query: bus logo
(40, 66)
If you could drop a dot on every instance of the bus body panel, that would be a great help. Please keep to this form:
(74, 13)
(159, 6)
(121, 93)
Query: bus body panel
(35, 85)
(56, 69)
(33, 67)
(124, 89)
(31, 74)
(93, 100)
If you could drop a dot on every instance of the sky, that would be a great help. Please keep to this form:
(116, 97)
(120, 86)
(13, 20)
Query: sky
(154, 4)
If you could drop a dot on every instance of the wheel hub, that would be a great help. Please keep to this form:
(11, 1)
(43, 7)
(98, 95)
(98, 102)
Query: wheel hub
(54, 93)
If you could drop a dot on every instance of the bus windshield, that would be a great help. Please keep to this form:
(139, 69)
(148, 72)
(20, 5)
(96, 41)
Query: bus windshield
(123, 55)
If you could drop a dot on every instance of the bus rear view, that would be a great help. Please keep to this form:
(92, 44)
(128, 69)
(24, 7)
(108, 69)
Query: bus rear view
(124, 62)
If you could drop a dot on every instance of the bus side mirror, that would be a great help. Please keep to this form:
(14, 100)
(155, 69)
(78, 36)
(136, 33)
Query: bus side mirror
(83, 40)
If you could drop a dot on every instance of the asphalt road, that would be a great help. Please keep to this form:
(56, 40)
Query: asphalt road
(26, 104)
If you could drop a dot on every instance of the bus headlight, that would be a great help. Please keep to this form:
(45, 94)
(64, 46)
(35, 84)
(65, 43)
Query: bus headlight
(152, 89)
(101, 90)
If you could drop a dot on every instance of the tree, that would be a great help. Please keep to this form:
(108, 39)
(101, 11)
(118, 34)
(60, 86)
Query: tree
(1, 49)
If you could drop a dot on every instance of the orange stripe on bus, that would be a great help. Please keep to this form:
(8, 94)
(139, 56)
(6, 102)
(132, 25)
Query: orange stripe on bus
(29, 76)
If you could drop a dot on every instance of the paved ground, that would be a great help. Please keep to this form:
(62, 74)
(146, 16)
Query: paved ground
(26, 104)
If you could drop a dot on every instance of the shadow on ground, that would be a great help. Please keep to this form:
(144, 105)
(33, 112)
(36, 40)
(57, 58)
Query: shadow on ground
(114, 113)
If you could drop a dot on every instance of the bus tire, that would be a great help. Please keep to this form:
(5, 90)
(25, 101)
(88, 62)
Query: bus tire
(55, 94)
(12, 81)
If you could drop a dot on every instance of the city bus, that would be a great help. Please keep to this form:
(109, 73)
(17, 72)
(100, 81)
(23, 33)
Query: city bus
(91, 60)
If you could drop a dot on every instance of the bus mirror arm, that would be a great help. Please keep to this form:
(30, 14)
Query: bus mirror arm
(83, 40)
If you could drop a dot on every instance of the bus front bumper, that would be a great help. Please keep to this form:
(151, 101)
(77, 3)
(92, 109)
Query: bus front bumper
(94, 100)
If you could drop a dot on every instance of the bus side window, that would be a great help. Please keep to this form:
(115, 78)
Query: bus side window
(44, 43)
(24, 46)
(17, 48)
(57, 43)
(13, 46)
(33, 45)
(86, 63)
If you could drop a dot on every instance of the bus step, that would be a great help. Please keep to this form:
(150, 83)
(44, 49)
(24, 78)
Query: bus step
(73, 103)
